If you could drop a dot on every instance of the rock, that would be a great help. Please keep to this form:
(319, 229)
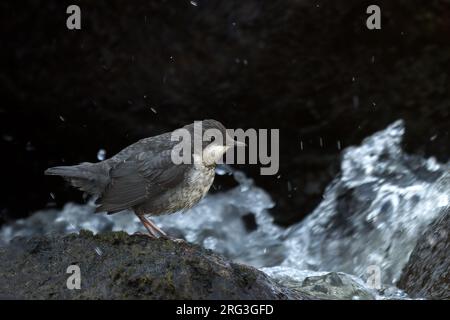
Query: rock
(115, 265)
(321, 285)
(335, 285)
(427, 273)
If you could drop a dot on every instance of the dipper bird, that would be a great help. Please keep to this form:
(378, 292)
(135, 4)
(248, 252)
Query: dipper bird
(143, 176)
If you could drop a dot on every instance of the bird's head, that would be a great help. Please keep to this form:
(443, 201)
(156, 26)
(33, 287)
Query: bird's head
(216, 140)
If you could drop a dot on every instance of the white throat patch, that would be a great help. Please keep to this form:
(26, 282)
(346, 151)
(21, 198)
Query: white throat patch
(213, 153)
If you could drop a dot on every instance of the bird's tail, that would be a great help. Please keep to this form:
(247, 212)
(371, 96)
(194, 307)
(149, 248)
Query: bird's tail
(89, 177)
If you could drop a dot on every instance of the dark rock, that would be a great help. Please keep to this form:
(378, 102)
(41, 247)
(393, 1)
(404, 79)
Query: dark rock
(115, 265)
(427, 273)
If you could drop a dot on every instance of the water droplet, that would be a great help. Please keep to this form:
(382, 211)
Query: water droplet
(356, 101)
(62, 118)
(224, 169)
(443, 201)
(98, 251)
(153, 110)
(194, 3)
(101, 154)
(29, 146)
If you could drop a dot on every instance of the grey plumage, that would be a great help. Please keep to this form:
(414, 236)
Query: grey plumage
(88, 177)
(143, 177)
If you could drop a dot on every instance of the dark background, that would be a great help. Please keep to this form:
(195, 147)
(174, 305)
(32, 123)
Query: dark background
(310, 68)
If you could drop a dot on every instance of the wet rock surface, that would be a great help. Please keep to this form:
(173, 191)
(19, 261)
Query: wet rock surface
(335, 286)
(323, 285)
(115, 265)
(427, 274)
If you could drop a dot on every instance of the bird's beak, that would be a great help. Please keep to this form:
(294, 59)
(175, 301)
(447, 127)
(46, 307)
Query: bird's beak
(239, 143)
(234, 143)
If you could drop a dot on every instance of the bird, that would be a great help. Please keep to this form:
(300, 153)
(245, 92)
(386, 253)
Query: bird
(144, 178)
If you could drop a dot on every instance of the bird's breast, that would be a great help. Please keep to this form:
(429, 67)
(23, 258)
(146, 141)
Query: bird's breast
(199, 181)
(200, 173)
(195, 186)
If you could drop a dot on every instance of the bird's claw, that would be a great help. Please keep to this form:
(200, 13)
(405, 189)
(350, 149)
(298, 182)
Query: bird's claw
(141, 234)
(166, 237)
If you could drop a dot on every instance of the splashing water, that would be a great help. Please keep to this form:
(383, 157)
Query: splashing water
(373, 213)
(101, 154)
(371, 217)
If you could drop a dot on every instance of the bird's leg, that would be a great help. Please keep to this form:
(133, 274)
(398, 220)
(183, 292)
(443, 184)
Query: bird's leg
(152, 229)
(156, 228)
(151, 232)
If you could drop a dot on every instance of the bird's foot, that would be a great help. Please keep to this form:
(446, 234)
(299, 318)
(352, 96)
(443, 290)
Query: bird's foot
(141, 234)
(163, 237)
(166, 237)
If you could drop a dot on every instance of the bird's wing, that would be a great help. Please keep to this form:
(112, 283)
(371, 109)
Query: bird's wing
(140, 178)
